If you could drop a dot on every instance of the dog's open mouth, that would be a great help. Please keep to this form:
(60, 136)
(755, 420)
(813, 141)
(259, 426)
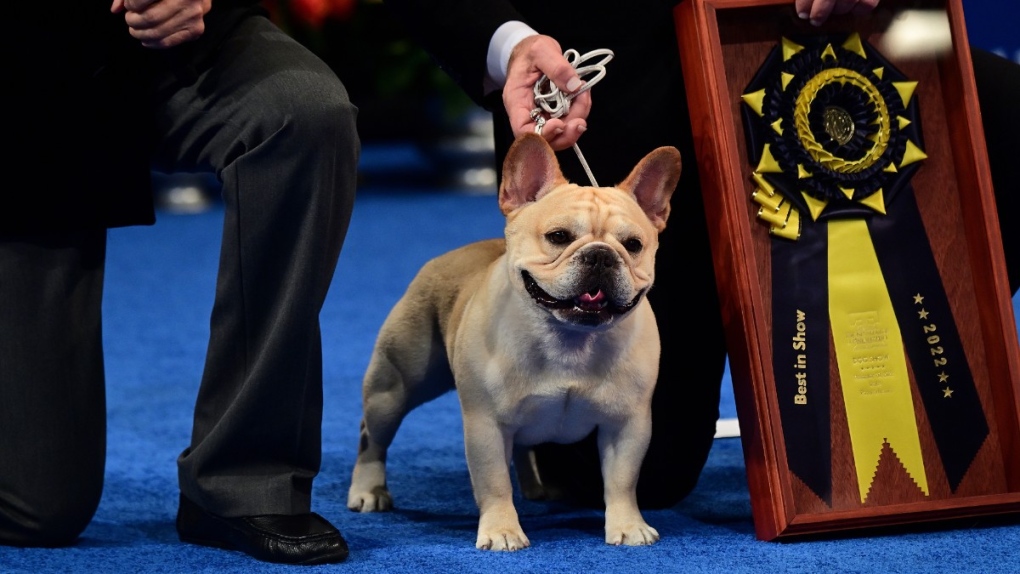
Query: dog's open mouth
(592, 306)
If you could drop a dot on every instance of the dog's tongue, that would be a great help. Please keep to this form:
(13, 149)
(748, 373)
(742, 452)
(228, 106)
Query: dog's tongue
(591, 299)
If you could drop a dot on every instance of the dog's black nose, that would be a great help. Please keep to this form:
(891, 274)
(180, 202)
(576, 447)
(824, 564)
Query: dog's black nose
(599, 258)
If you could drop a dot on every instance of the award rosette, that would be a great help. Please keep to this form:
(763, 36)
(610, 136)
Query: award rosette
(834, 133)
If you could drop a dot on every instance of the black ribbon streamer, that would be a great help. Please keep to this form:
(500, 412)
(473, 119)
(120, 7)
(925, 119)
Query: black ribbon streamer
(957, 421)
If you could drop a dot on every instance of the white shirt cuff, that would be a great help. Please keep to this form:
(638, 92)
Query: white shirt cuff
(502, 43)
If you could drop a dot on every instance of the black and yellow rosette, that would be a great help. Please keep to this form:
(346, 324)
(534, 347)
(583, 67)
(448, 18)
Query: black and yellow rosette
(834, 132)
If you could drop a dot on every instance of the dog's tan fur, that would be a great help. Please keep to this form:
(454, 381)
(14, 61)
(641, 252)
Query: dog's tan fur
(526, 373)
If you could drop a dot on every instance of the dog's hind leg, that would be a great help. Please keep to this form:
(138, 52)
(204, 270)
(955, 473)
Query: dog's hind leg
(368, 491)
(529, 477)
(394, 385)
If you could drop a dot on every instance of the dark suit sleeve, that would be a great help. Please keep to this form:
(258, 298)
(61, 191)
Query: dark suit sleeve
(456, 34)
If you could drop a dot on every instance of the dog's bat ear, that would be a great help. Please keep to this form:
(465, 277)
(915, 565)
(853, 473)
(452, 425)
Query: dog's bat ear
(529, 171)
(652, 182)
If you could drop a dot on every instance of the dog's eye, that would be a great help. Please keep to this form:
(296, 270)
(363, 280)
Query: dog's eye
(633, 245)
(559, 237)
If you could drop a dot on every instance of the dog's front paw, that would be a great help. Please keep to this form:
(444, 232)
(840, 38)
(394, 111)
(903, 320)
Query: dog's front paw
(376, 499)
(499, 529)
(631, 534)
(508, 539)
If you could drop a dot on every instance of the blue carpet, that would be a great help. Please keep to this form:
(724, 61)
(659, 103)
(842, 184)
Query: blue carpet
(158, 296)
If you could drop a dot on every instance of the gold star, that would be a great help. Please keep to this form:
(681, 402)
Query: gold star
(918, 299)
(947, 393)
(923, 314)
(943, 377)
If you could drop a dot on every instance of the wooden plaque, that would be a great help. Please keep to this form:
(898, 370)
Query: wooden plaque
(906, 411)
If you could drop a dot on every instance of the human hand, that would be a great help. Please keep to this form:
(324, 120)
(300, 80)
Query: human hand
(530, 59)
(818, 11)
(163, 23)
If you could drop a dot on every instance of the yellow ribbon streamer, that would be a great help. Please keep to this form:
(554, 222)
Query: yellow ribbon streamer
(869, 353)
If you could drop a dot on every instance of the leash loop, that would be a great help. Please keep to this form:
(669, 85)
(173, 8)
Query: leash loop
(556, 103)
(551, 101)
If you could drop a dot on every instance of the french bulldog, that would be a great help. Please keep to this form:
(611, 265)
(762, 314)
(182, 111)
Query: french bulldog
(546, 335)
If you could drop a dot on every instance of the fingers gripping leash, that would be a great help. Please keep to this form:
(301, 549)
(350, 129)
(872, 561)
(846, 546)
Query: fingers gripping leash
(551, 101)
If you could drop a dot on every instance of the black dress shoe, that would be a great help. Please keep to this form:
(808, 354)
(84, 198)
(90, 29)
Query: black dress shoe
(281, 538)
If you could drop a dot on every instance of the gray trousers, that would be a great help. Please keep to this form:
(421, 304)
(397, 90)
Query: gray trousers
(276, 126)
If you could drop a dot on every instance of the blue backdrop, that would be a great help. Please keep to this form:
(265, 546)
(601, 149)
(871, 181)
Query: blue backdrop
(994, 25)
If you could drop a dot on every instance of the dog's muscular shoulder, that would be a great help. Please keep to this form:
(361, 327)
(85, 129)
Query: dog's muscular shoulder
(444, 284)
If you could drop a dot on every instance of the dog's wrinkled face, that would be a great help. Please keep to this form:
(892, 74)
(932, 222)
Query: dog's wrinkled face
(584, 254)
